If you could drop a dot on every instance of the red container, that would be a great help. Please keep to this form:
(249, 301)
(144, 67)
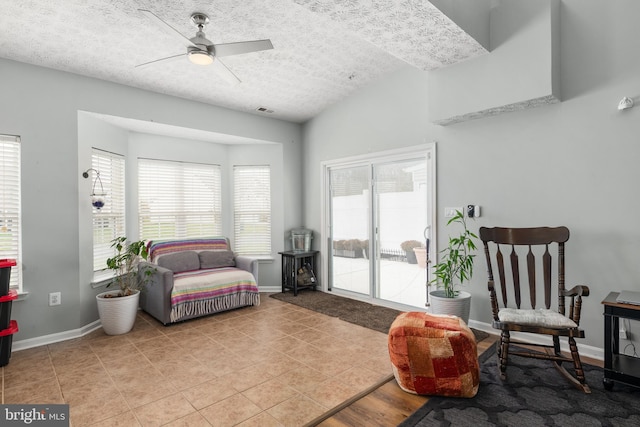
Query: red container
(6, 338)
(5, 275)
(5, 308)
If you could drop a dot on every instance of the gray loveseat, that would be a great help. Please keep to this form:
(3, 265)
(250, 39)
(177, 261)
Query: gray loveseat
(197, 277)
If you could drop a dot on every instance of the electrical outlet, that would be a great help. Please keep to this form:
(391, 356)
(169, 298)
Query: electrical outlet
(55, 298)
(451, 212)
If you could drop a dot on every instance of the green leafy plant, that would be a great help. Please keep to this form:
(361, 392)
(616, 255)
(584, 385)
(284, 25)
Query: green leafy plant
(456, 263)
(125, 264)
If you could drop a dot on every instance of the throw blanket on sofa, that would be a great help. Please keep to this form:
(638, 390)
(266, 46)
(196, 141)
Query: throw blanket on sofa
(158, 248)
(202, 292)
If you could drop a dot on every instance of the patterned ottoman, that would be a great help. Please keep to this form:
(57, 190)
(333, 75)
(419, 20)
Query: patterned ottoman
(434, 355)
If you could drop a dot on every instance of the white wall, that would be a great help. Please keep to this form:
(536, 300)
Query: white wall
(572, 163)
(41, 105)
(519, 70)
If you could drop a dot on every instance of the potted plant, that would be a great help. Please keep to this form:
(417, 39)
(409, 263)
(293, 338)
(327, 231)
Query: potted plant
(408, 246)
(454, 268)
(118, 308)
(421, 256)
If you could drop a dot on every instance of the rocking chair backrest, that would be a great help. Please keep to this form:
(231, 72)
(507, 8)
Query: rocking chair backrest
(507, 240)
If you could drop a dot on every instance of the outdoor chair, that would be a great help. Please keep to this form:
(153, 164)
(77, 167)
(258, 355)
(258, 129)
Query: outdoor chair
(522, 256)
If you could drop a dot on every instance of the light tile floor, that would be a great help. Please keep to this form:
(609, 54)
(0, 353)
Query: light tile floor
(272, 365)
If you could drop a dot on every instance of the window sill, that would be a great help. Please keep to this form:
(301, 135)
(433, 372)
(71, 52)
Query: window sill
(22, 296)
(102, 279)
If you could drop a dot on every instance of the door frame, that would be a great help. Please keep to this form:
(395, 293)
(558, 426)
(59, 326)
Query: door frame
(427, 150)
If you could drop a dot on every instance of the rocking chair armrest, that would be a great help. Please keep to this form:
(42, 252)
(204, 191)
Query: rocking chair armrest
(578, 290)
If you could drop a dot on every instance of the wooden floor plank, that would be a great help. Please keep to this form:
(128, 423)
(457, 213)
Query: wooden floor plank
(388, 405)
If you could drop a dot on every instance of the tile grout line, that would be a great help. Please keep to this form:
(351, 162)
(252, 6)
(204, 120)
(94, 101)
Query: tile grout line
(55, 372)
(114, 385)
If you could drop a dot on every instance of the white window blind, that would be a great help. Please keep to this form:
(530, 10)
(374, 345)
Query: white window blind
(10, 225)
(252, 209)
(178, 199)
(109, 221)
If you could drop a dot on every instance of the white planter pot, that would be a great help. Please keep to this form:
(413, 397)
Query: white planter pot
(458, 306)
(421, 256)
(117, 315)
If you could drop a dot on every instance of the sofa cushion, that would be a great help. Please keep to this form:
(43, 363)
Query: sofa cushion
(216, 259)
(180, 261)
(538, 317)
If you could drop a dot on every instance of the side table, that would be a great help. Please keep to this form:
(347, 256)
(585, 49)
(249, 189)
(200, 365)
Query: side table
(292, 262)
(618, 367)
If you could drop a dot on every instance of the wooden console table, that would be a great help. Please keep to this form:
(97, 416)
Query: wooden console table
(618, 367)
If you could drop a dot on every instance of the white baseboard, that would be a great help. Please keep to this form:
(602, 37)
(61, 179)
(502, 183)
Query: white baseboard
(270, 289)
(585, 350)
(54, 338)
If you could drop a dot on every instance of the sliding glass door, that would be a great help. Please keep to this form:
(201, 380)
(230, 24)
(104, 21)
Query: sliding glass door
(377, 208)
(400, 204)
(350, 219)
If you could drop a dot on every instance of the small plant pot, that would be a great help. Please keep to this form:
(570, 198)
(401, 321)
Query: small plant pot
(117, 314)
(458, 306)
(421, 256)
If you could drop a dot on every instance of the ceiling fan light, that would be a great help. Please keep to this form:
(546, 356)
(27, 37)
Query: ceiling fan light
(200, 57)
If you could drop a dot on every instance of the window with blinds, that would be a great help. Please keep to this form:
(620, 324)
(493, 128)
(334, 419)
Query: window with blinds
(109, 221)
(10, 225)
(252, 210)
(178, 199)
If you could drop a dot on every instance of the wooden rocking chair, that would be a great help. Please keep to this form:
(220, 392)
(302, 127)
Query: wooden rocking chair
(530, 244)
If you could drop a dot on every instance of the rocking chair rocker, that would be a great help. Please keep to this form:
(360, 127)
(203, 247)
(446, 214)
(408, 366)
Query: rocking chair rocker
(531, 243)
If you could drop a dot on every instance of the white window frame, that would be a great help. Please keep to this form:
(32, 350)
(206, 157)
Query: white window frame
(11, 205)
(111, 167)
(178, 199)
(252, 218)
(427, 150)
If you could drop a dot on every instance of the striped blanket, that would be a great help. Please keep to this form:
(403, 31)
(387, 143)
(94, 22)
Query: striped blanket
(201, 292)
(158, 248)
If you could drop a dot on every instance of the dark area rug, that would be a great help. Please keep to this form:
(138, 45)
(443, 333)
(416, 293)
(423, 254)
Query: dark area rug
(360, 313)
(534, 394)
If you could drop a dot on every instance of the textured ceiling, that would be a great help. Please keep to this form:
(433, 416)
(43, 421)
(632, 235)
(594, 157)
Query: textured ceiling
(323, 49)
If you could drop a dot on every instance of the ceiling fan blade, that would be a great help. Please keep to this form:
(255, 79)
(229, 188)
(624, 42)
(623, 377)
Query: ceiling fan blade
(168, 29)
(225, 72)
(237, 48)
(167, 59)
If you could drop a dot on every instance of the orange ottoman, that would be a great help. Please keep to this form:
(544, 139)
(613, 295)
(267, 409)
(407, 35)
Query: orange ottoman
(434, 355)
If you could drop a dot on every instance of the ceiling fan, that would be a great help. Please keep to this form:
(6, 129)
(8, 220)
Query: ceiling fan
(202, 51)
